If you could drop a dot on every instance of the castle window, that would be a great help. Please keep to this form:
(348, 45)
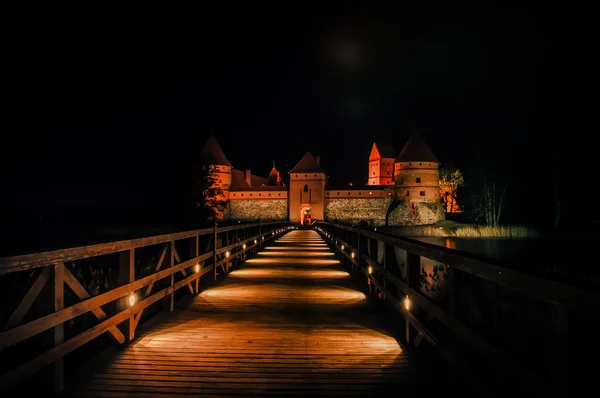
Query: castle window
(373, 173)
(305, 175)
(359, 193)
(250, 194)
(418, 179)
(278, 194)
(269, 194)
(338, 193)
(327, 193)
(406, 193)
(233, 194)
(420, 164)
(259, 194)
(242, 195)
(410, 164)
(348, 193)
(305, 188)
(422, 193)
(388, 173)
(315, 175)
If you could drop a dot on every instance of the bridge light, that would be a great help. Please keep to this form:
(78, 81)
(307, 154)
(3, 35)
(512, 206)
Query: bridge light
(370, 270)
(244, 246)
(407, 303)
(197, 268)
(352, 255)
(227, 254)
(342, 247)
(254, 241)
(131, 299)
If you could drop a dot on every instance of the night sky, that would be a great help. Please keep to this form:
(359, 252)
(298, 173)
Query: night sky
(110, 111)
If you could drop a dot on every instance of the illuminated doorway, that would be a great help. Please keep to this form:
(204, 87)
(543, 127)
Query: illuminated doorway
(305, 216)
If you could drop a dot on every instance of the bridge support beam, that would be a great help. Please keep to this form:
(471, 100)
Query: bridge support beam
(126, 276)
(59, 334)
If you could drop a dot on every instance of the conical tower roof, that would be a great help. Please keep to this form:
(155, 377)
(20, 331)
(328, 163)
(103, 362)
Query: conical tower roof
(212, 153)
(385, 151)
(308, 164)
(416, 150)
(273, 173)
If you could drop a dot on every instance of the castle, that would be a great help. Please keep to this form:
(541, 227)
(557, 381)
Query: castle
(401, 190)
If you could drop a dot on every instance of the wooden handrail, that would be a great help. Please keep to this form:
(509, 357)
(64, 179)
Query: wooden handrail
(550, 291)
(35, 260)
(52, 260)
(571, 297)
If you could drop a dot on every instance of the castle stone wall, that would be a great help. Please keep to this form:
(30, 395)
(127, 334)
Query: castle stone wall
(253, 209)
(355, 210)
(415, 213)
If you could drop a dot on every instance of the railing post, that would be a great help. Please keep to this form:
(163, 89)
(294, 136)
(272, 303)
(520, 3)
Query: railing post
(413, 280)
(126, 276)
(169, 300)
(59, 304)
(215, 252)
(258, 245)
(194, 252)
(358, 255)
(384, 264)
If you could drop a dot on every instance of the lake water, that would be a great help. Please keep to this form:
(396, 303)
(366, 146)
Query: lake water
(574, 261)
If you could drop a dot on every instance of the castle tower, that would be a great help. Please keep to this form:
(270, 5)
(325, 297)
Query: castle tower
(416, 172)
(307, 189)
(381, 165)
(274, 177)
(212, 155)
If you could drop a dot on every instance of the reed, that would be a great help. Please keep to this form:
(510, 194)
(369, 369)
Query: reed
(466, 231)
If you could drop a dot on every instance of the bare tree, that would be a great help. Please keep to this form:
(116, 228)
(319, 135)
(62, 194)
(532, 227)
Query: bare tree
(490, 201)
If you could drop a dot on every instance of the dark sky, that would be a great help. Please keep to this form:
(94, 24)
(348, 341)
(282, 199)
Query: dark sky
(110, 107)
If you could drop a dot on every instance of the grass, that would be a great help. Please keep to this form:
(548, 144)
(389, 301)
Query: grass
(453, 229)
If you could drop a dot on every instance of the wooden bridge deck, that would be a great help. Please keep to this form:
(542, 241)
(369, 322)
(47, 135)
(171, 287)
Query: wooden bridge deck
(289, 322)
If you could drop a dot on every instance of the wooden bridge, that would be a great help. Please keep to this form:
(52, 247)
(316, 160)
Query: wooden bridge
(270, 310)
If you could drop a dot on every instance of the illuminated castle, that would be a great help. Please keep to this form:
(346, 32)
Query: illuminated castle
(401, 190)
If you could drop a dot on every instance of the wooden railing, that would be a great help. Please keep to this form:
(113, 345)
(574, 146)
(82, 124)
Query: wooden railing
(225, 247)
(492, 370)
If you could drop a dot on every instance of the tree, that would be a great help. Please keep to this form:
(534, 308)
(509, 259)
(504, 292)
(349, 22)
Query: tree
(450, 180)
(490, 201)
(210, 198)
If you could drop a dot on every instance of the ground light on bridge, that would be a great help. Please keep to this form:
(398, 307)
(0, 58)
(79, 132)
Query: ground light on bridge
(267, 273)
(270, 248)
(286, 253)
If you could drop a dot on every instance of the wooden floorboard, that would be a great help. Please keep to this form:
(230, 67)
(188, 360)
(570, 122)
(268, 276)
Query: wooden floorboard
(288, 322)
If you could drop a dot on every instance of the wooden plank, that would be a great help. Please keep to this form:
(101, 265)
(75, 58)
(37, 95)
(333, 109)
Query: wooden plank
(260, 333)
